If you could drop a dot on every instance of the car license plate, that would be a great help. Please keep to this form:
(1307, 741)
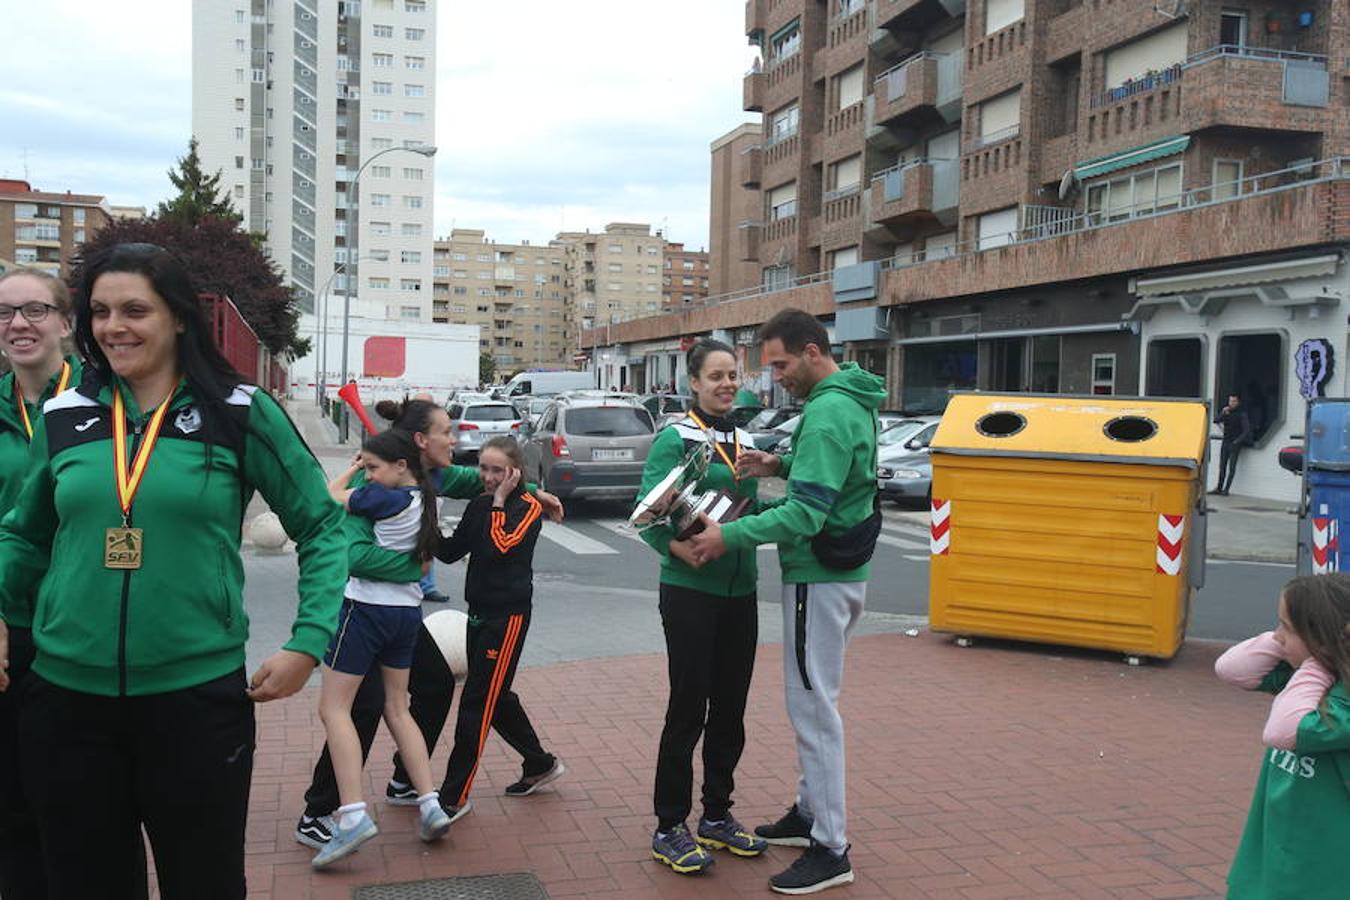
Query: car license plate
(599, 453)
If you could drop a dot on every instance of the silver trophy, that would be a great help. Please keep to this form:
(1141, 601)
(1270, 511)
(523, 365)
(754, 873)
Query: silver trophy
(677, 501)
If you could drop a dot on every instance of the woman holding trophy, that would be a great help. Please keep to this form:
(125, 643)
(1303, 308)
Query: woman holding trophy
(709, 614)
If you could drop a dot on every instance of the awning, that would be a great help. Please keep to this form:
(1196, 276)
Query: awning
(1157, 150)
(1238, 276)
(1017, 333)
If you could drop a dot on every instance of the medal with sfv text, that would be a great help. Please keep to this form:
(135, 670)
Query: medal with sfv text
(124, 548)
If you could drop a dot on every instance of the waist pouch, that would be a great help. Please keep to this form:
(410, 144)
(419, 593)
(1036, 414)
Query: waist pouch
(850, 549)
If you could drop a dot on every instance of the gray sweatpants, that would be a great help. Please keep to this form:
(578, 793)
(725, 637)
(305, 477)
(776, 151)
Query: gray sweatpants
(817, 621)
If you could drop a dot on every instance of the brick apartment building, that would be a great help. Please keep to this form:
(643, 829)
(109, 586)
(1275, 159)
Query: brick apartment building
(735, 202)
(43, 229)
(1077, 196)
(514, 293)
(684, 275)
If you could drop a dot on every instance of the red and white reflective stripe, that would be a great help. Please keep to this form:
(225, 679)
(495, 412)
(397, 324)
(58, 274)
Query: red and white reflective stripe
(1325, 545)
(940, 536)
(1170, 531)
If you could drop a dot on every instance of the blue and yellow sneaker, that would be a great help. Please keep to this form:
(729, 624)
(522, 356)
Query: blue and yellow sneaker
(677, 849)
(731, 836)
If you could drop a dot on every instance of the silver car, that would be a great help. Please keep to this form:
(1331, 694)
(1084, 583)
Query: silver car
(589, 447)
(473, 424)
(904, 471)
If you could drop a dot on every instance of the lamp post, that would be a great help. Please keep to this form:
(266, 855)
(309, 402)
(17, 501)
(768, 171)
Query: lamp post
(321, 350)
(428, 152)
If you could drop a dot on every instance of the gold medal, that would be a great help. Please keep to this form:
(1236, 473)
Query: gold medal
(122, 548)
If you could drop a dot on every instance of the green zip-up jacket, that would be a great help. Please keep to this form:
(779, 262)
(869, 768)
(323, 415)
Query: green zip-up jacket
(831, 477)
(178, 620)
(14, 464)
(733, 575)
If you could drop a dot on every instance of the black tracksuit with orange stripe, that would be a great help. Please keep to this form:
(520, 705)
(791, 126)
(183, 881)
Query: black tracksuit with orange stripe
(498, 589)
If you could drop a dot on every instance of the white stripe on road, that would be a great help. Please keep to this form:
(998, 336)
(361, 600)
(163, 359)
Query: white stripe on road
(575, 541)
(912, 543)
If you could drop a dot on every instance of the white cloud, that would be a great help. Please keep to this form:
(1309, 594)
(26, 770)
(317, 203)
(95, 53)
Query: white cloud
(548, 113)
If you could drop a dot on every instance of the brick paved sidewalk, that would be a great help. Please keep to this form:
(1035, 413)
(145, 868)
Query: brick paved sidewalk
(995, 771)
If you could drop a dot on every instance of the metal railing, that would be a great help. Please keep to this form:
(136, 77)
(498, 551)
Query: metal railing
(995, 137)
(1135, 86)
(1242, 51)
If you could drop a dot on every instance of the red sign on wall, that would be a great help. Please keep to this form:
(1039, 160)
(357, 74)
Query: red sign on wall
(385, 357)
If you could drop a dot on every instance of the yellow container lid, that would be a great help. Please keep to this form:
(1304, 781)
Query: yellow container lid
(1090, 429)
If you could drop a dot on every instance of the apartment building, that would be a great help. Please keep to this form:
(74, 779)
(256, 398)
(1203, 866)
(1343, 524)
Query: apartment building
(614, 275)
(43, 229)
(514, 293)
(735, 203)
(293, 100)
(1078, 196)
(684, 275)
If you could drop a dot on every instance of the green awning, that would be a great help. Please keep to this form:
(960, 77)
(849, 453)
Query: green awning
(1091, 168)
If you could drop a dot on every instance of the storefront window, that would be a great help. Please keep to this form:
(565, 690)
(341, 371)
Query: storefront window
(1250, 365)
(1045, 364)
(933, 371)
(1174, 367)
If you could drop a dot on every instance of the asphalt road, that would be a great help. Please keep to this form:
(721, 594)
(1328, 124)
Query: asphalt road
(595, 590)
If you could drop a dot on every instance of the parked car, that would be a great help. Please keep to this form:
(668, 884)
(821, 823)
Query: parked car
(463, 397)
(537, 383)
(660, 405)
(741, 416)
(533, 409)
(904, 470)
(780, 439)
(763, 427)
(476, 422)
(589, 447)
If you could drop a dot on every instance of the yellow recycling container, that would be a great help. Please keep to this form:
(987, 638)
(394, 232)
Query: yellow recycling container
(1068, 520)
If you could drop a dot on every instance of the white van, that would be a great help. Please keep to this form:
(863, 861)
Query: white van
(537, 384)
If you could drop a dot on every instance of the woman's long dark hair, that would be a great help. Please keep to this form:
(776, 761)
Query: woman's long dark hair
(393, 445)
(210, 376)
(412, 416)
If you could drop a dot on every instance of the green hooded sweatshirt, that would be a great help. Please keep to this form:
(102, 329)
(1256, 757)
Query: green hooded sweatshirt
(14, 453)
(178, 620)
(831, 477)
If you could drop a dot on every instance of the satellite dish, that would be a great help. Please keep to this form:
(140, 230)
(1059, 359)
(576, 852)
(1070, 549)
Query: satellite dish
(1068, 185)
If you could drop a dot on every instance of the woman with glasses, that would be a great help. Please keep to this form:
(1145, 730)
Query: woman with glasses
(137, 712)
(34, 327)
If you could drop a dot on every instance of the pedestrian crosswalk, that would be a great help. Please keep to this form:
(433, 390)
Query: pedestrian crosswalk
(611, 536)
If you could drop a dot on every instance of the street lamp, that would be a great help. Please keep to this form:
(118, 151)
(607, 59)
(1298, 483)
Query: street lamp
(321, 332)
(351, 252)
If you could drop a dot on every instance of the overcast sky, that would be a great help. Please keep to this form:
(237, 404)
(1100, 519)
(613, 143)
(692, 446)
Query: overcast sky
(550, 114)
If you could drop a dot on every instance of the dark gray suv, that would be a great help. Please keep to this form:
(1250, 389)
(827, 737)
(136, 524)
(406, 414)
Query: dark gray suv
(589, 448)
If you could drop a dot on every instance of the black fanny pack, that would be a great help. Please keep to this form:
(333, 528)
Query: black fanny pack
(852, 548)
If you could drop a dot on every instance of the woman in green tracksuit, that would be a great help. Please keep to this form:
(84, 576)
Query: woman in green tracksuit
(711, 625)
(35, 319)
(137, 711)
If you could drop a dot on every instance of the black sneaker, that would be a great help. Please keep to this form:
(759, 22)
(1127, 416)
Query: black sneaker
(434, 597)
(398, 794)
(314, 831)
(528, 784)
(815, 870)
(792, 830)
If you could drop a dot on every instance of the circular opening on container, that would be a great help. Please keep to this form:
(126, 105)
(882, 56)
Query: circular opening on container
(1000, 424)
(1130, 429)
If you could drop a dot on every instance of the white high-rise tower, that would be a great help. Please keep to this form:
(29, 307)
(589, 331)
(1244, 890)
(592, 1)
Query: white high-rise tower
(289, 98)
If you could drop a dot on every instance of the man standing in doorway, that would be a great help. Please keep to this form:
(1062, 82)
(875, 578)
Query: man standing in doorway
(1237, 433)
(825, 529)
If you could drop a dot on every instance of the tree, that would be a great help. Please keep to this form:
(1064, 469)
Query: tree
(487, 368)
(199, 194)
(221, 259)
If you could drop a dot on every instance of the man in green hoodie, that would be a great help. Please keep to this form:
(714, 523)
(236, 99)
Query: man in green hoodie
(831, 488)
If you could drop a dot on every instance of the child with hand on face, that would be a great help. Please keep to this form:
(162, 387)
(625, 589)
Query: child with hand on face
(1294, 845)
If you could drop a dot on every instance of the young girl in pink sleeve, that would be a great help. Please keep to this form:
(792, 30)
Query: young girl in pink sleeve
(1293, 844)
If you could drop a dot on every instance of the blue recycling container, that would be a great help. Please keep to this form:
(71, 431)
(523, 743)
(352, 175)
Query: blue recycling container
(1326, 486)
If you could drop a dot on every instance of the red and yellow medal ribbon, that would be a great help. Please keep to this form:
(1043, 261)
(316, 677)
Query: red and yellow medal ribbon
(129, 480)
(712, 439)
(23, 409)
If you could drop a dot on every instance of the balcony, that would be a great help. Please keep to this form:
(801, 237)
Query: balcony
(755, 14)
(913, 194)
(747, 241)
(913, 15)
(752, 166)
(753, 92)
(847, 119)
(923, 88)
(1252, 87)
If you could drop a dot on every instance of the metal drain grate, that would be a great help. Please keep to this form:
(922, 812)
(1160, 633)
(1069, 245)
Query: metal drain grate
(511, 886)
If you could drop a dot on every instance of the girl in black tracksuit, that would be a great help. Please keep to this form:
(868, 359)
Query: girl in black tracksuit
(498, 532)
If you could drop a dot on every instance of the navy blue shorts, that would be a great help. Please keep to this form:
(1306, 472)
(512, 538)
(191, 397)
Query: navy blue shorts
(368, 633)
